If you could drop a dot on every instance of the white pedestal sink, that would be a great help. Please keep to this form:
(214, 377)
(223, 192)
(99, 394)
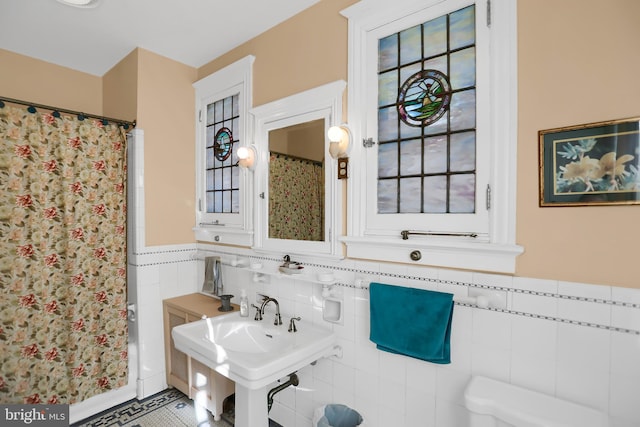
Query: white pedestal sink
(253, 354)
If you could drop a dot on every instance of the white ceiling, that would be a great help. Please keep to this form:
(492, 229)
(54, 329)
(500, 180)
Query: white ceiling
(192, 32)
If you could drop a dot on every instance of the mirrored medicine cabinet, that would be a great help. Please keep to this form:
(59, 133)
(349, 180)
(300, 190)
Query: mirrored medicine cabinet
(297, 196)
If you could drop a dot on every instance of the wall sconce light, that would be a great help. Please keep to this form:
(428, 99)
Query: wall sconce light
(247, 157)
(339, 141)
(339, 144)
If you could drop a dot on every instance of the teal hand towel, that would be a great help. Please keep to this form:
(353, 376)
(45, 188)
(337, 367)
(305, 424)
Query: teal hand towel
(413, 322)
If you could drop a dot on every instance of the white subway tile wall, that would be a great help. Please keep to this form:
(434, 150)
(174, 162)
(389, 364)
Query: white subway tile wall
(576, 341)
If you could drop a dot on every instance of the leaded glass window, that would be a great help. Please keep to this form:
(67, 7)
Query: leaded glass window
(222, 171)
(427, 117)
(224, 209)
(441, 177)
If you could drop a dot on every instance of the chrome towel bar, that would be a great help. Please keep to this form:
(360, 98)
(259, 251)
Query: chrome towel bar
(406, 233)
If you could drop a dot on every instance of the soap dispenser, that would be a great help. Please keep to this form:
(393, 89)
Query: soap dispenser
(244, 304)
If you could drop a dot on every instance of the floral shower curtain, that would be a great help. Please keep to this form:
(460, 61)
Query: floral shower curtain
(296, 198)
(63, 301)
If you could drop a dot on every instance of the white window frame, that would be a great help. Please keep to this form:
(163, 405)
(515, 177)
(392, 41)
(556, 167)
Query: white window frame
(227, 228)
(494, 248)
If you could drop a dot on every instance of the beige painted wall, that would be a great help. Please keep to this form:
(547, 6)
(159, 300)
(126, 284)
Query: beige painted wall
(158, 93)
(304, 140)
(32, 80)
(578, 63)
(120, 89)
(166, 113)
(306, 51)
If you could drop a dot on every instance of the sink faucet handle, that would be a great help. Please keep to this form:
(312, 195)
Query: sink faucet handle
(258, 312)
(292, 324)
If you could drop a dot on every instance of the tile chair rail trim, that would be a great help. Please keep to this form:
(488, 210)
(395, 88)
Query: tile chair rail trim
(359, 285)
(524, 313)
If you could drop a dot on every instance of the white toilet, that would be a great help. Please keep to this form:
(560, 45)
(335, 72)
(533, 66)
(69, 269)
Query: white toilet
(493, 403)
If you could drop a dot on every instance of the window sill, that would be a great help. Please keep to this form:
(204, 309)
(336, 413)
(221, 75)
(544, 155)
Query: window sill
(482, 256)
(224, 235)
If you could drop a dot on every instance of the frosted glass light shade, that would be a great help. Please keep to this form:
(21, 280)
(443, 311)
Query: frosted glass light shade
(339, 139)
(247, 157)
(335, 134)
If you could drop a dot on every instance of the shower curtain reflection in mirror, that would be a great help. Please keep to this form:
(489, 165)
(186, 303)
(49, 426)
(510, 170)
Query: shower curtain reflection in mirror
(296, 198)
(63, 301)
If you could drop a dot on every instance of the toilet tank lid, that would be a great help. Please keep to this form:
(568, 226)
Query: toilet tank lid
(527, 408)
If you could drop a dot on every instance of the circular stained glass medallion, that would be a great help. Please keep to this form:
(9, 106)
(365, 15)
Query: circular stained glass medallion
(222, 144)
(424, 98)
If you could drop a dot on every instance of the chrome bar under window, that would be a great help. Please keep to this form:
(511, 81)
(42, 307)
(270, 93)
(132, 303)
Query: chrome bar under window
(406, 233)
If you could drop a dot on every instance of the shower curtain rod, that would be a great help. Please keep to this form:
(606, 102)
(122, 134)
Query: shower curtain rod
(301, 159)
(77, 113)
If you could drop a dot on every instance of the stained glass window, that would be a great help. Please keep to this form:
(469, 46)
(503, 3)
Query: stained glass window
(427, 117)
(223, 175)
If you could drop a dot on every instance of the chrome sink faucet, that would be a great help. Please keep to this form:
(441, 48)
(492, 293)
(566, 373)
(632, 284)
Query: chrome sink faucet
(292, 324)
(278, 320)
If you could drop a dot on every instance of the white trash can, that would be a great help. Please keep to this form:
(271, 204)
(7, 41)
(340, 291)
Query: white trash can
(336, 415)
